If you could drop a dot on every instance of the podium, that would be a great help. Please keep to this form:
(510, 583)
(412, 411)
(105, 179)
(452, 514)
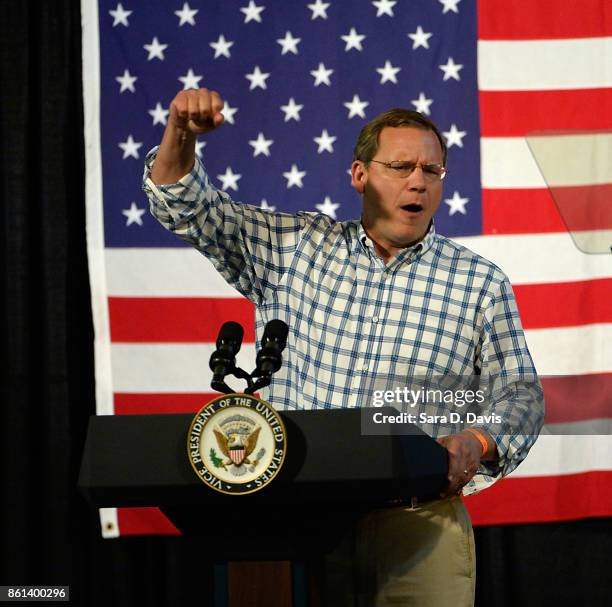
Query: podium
(339, 465)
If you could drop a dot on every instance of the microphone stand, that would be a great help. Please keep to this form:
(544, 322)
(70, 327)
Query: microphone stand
(252, 386)
(269, 361)
(220, 386)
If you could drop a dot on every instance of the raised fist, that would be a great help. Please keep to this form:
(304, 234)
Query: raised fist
(198, 111)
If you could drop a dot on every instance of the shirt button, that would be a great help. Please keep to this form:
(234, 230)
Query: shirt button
(374, 318)
(365, 367)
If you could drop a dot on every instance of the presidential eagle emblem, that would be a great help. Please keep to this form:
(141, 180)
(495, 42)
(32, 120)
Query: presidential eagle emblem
(237, 440)
(236, 444)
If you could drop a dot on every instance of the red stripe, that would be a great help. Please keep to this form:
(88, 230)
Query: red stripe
(139, 404)
(520, 212)
(535, 211)
(568, 399)
(584, 207)
(564, 304)
(144, 521)
(517, 113)
(541, 499)
(184, 319)
(510, 501)
(138, 320)
(577, 397)
(538, 19)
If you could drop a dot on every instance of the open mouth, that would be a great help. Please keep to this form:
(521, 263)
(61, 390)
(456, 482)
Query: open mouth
(412, 208)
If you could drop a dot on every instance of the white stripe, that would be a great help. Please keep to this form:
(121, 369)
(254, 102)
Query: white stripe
(542, 162)
(507, 162)
(532, 65)
(552, 455)
(593, 427)
(109, 522)
(183, 272)
(571, 350)
(94, 216)
(171, 367)
(573, 159)
(593, 241)
(184, 367)
(539, 258)
(176, 272)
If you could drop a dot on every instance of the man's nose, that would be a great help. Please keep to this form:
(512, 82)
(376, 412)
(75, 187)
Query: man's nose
(416, 179)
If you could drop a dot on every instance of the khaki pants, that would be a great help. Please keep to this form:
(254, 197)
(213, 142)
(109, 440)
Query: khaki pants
(421, 557)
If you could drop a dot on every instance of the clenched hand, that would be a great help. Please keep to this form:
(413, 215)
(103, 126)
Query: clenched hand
(197, 111)
(192, 113)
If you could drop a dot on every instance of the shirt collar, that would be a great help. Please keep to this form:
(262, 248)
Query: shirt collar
(419, 248)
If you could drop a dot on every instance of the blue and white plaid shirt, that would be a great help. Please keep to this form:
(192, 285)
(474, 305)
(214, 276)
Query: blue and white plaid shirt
(354, 322)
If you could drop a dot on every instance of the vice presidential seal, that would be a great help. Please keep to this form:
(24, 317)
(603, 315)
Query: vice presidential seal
(236, 444)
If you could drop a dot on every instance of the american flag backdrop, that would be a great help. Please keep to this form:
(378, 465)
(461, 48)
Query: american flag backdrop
(300, 78)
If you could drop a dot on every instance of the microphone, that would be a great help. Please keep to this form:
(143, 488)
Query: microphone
(223, 359)
(273, 342)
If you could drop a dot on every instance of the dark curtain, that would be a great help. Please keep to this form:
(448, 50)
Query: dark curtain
(49, 535)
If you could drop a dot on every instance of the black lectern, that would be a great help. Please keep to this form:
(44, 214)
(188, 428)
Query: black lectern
(334, 471)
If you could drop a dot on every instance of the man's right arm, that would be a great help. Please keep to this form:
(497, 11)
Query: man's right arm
(251, 248)
(192, 113)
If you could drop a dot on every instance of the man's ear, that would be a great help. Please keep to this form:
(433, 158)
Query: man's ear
(358, 176)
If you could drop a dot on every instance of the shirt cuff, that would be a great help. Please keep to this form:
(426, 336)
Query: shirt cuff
(167, 194)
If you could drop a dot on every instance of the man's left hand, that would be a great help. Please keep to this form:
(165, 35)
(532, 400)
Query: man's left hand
(464, 451)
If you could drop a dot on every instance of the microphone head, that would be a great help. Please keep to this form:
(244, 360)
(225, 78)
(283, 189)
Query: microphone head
(230, 333)
(276, 330)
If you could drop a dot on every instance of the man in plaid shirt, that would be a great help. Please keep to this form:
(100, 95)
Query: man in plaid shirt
(367, 301)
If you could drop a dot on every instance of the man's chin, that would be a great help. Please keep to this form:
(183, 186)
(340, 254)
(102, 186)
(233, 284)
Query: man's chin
(410, 238)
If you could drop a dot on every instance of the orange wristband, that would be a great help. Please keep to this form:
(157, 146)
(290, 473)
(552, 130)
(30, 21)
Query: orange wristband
(481, 439)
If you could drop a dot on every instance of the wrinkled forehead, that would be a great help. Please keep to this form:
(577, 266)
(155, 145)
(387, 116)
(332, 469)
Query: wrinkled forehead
(409, 143)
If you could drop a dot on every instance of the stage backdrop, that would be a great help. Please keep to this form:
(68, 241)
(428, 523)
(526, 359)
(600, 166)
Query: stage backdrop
(299, 80)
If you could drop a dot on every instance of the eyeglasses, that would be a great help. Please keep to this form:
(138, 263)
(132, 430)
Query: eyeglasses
(404, 168)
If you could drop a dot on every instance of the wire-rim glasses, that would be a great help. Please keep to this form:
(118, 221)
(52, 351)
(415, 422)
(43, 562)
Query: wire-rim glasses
(405, 168)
